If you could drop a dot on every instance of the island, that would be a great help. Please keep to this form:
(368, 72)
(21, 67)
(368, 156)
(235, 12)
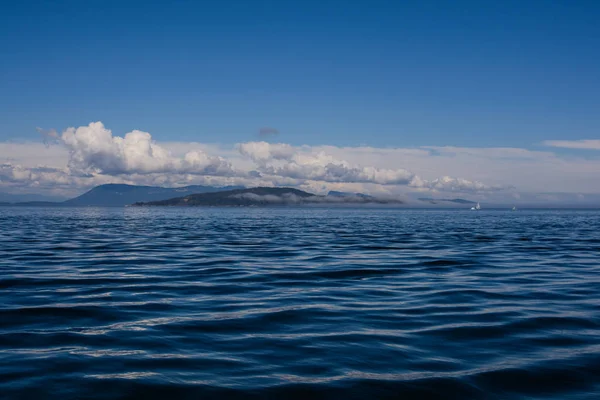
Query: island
(264, 196)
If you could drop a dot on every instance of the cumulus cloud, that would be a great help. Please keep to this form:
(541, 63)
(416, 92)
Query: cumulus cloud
(592, 144)
(449, 184)
(11, 173)
(41, 179)
(82, 157)
(263, 152)
(303, 164)
(94, 148)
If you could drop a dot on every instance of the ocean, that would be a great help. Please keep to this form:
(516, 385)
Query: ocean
(307, 303)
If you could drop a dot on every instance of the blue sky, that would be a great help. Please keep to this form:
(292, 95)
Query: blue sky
(377, 73)
(489, 100)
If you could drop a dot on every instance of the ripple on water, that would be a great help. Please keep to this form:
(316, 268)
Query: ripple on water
(299, 303)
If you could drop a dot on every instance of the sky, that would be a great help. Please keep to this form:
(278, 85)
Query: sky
(488, 100)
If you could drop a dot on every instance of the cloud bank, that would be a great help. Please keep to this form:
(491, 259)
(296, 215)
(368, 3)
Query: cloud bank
(574, 144)
(79, 158)
(301, 163)
(93, 149)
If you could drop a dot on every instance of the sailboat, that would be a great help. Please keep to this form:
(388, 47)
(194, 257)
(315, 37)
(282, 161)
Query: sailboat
(514, 208)
(477, 207)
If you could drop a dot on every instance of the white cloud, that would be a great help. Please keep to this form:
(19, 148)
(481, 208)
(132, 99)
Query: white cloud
(590, 144)
(522, 169)
(90, 155)
(319, 164)
(33, 153)
(449, 184)
(263, 152)
(94, 148)
(15, 178)
(303, 163)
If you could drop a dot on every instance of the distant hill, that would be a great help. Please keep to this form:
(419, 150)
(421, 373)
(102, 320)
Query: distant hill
(334, 193)
(236, 197)
(115, 195)
(456, 201)
(119, 195)
(261, 196)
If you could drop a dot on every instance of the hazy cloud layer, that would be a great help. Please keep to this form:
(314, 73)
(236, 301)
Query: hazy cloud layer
(79, 158)
(574, 144)
(301, 163)
(318, 164)
(458, 185)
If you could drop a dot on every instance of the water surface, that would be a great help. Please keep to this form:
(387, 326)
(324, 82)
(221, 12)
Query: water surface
(299, 303)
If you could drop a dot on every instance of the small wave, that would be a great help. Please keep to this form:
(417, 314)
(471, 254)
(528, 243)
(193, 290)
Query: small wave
(286, 303)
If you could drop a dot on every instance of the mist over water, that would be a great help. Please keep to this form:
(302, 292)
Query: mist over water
(299, 303)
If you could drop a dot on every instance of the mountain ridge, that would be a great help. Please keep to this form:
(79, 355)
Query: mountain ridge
(120, 195)
(262, 196)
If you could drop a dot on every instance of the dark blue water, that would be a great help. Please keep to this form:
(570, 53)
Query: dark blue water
(299, 303)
